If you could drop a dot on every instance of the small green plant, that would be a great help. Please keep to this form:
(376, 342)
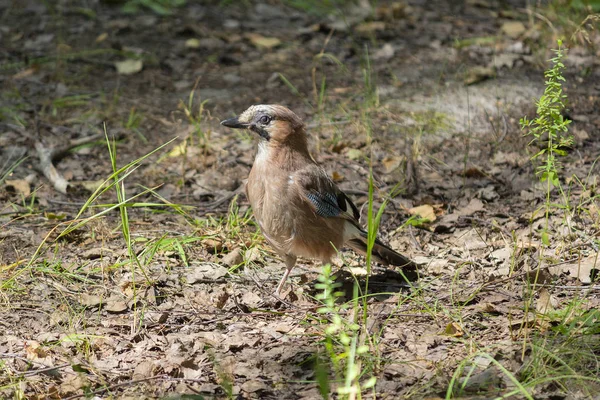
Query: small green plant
(568, 352)
(342, 340)
(133, 123)
(319, 7)
(550, 126)
(7, 168)
(67, 102)
(466, 369)
(576, 5)
(563, 356)
(160, 7)
(198, 136)
(549, 130)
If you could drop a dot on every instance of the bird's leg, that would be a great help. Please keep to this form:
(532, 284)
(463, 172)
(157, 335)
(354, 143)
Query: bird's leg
(290, 262)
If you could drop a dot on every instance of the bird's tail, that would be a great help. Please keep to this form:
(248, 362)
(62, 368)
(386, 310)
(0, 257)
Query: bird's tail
(381, 253)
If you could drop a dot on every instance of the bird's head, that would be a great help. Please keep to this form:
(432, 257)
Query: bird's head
(273, 123)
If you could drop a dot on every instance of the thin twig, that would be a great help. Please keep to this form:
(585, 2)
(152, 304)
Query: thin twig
(59, 153)
(49, 170)
(43, 370)
(225, 198)
(494, 283)
(119, 385)
(261, 287)
(330, 123)
(568, 287)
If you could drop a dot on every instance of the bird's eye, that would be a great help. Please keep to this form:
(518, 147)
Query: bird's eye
(264, 120)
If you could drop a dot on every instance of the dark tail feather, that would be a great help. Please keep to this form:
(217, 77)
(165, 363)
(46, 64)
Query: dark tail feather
(381, 253)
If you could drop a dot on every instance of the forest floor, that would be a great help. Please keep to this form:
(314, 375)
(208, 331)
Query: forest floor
(159, 286)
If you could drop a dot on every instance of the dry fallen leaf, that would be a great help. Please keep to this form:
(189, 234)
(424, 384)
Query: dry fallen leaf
(471, 208)
(545, 301)
(390, 163)
(192, 43)
(102, 37)
(254, 385)
(129, 66)
(143, 369)
(233, 258)
(358, 271)
(478, 74)
(513, 29)
(251, 299)
(263, 41)
(337, 177)
(72, 383)
(20, 186)
(25, 73)
(90, 300)
(38, 354)
(252, 255)
(385, 53)
(581, 270)
(354, 154)
(204, 271)
(91, 186)
(115, 305)
(368, 27)
(424, 211)
(453, 329)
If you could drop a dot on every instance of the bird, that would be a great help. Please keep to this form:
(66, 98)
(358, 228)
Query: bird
(298, 207)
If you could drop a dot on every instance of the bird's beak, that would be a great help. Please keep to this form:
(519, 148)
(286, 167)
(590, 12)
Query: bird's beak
(234, 123)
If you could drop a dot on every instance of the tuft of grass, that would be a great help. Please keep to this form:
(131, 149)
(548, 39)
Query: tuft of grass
(159, 7)
(457, 385)
(196, 119)
(319, 7)
(134, 122)
(566, 355)
(8, 167)
(554, 19)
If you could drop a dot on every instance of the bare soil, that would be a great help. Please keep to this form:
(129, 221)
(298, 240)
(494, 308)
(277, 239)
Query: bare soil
(79, 319)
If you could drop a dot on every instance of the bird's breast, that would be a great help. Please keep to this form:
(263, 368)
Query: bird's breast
(270, 197)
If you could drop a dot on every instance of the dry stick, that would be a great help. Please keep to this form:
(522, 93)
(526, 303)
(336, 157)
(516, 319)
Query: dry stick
(15, 213)
(481, 221)
(61, 152)
(494, 283)
(491, 284)
(119, 385)
(314, 69)
(414, 239)
(48, 156)
(225, 198)
(569, 287)
(264, 291)
(18, 357)
(45, 156)
(49, 170)
(330, 123)
(43, 370)
(588, 239)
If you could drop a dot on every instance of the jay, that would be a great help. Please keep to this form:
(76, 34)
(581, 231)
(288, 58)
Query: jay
(298, 207)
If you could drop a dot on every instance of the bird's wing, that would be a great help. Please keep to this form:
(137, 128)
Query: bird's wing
(324, 196)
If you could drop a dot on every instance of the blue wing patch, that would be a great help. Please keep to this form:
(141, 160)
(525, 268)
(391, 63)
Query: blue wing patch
(326, 204)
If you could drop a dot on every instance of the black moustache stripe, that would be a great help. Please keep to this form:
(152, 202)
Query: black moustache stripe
(263, 133)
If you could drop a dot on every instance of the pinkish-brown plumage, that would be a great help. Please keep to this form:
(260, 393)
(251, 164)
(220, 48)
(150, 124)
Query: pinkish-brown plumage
(299, 209)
